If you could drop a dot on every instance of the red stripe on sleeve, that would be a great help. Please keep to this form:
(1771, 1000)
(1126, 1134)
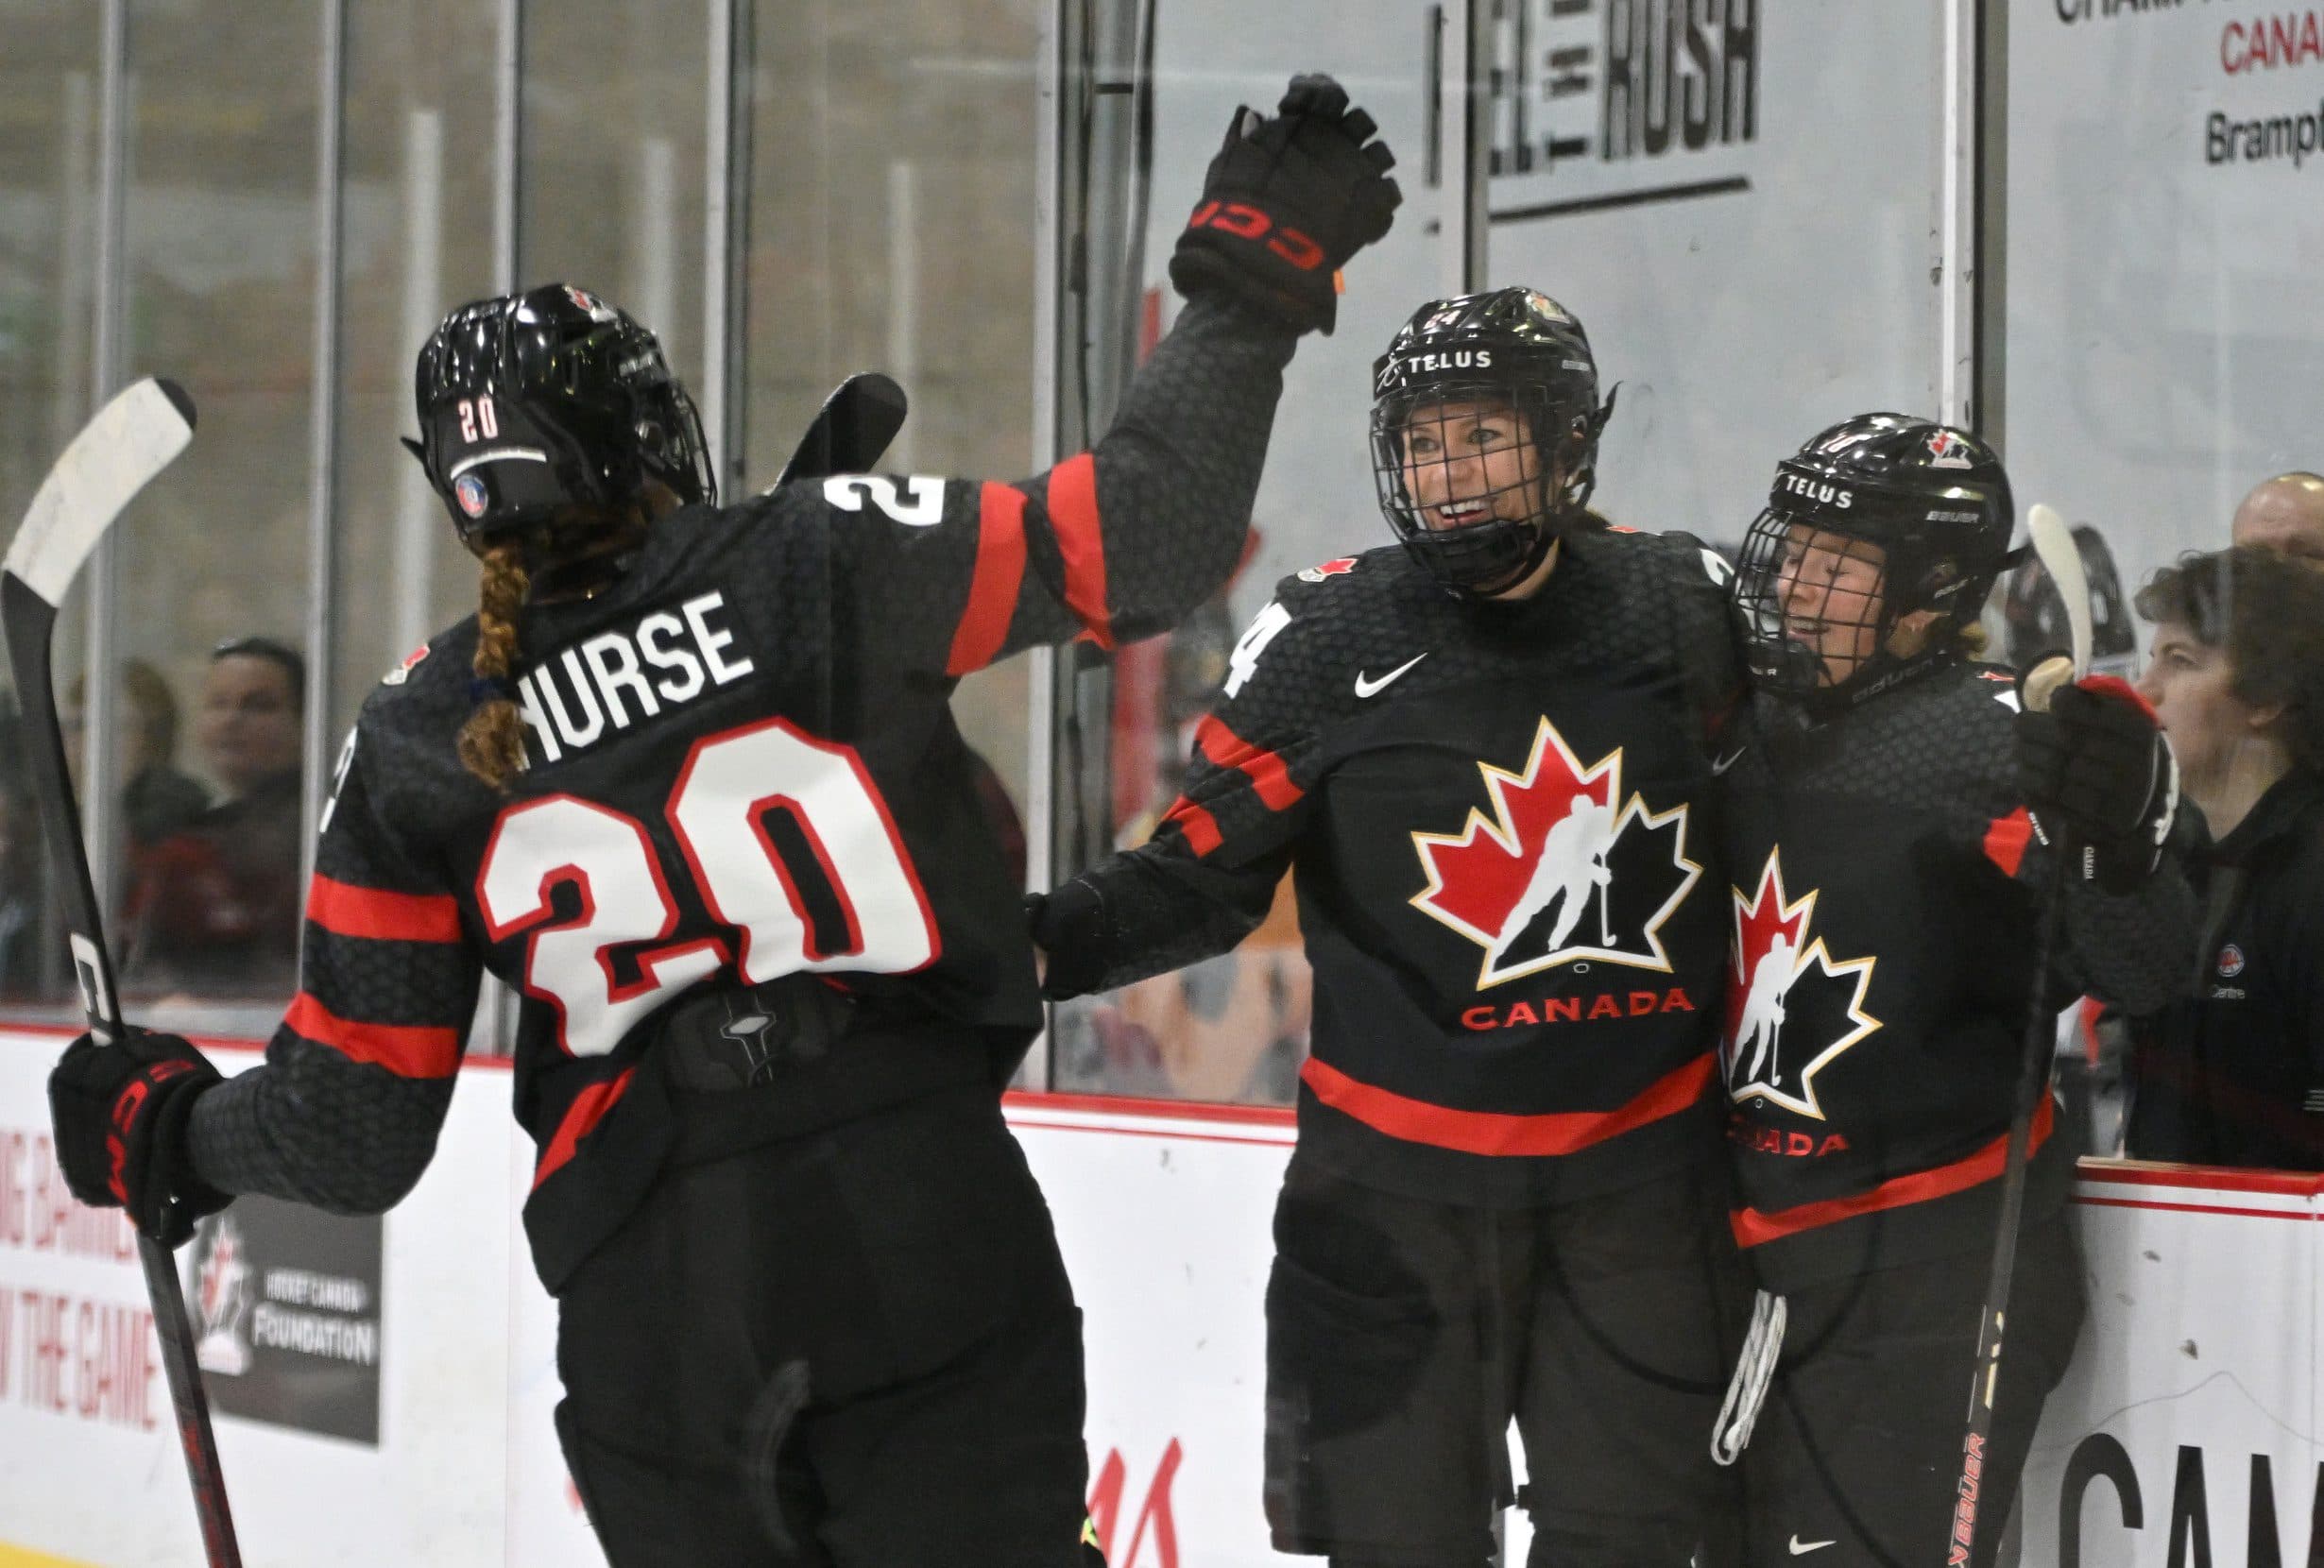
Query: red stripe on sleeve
(1073, 516)
(1200, 827)
(1269, 774)
(406, 1050)
(1755, 1226)
(346, 910)
(993, 589)
(1498, 1132)
(587, 1109)
(2006, 840)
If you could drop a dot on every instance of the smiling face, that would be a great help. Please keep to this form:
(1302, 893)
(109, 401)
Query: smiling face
(1470, 461)
(1829, 586)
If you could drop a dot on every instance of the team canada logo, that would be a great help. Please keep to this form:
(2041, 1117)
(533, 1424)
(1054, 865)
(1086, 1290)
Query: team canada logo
(1322, 570)
(222, 1300)
(1791, 1007)
(1564, 869)
(1947, 450)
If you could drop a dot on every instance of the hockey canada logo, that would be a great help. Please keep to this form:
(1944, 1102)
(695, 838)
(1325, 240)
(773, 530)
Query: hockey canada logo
(1946, 451)
(1791, 1007)
(222, 1300)
(1564, 869)
(1322, 570)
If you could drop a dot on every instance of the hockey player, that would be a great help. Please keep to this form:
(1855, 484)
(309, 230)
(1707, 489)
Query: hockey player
(690, 783)
(1480, 757)
(1890, 820)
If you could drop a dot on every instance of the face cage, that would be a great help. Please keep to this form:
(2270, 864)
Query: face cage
(1481, 557)
(1769, 574)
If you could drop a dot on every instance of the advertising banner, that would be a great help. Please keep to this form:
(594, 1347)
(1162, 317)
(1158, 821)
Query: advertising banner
(2165, 208)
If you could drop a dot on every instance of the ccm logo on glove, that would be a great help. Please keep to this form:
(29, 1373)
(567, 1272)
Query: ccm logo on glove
(1249, 223)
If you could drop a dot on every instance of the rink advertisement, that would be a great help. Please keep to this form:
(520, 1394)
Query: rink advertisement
(2165, 204)
(1747, 235)
(285, 1302)
(2184, 1434)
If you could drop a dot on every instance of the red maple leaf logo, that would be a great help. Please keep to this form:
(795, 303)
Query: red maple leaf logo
(218, 1270)
(1476, 877)
(1322, 570)
(1758, 924)
(1768, 1050)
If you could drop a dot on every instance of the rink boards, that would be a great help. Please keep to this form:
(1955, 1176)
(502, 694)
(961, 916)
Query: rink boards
(385, 1391)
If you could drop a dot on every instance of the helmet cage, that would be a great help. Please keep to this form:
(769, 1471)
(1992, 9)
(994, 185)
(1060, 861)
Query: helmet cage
(1478, 557)
(1919, 569)
(531, 407)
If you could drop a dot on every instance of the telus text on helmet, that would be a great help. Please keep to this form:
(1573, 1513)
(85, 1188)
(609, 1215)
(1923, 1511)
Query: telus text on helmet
(1457, 359)
(1838, 497)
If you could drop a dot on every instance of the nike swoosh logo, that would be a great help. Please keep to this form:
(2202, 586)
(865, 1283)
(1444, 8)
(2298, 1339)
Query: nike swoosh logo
(1800, 1548)
(1719, 766)
(1365, 687)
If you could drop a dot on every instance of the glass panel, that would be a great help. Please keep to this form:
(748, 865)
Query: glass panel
(610, 189)
(1235, 1027)
(890, 194)
(2160, 357)
(219, 294)
(1670, 174)
(419, 161)
(48, 82)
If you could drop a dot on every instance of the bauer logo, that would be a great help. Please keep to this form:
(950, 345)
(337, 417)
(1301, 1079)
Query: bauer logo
(1566, 869)
(469, 490)
(286, 1308)
(1792, 1008)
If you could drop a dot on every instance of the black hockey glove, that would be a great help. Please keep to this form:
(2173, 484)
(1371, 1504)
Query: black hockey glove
(2096, 769)
(1054, 919)
(120, 1113)
(1287, 201)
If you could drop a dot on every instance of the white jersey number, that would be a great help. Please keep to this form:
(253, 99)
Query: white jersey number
(1243, 662)
(730, 785)
(926, 505)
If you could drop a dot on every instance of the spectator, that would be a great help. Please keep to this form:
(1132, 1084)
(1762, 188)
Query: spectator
(2284, 514)
(22, 908)
(2233, 1072)
(214, 908)
(156, 798)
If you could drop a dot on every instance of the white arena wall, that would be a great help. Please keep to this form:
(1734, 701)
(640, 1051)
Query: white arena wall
(2185, 1433)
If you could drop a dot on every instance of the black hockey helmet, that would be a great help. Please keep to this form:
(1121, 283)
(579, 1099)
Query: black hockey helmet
(1513, 347)
(1923, 512)
(534, 403)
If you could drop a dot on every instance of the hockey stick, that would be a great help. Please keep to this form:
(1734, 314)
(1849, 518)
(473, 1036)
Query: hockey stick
(2053, 544)
(854, 426)
(132, 439)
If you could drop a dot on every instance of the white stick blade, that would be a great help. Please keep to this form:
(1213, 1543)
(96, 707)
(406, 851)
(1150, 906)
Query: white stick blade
(2053, 543)
(132, 439)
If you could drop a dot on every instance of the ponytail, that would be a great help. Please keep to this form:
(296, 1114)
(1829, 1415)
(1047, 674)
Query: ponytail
(492, 741)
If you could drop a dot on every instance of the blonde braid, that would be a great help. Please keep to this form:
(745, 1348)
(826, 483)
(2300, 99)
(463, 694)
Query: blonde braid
(492, 741)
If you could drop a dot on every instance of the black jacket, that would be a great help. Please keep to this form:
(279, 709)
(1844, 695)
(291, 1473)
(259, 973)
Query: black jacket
(2233, 1073)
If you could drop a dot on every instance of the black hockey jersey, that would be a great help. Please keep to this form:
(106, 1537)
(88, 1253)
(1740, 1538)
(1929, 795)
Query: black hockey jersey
(1494, 816)
(1881, 915)
(743, 766)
